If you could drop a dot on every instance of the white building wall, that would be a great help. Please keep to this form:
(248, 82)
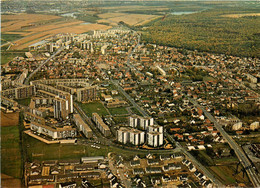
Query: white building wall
(126, 137)
(119, 136)
(142, 139)
(150, 139)
(161, 139)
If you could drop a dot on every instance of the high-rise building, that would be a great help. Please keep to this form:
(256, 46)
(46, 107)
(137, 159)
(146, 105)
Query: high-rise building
(137, 137)
(86, 94)
(155, 128)
(155, 139)
(134, 121)
(82, 126)
(123, 135)
(61, 108)
(140, 122)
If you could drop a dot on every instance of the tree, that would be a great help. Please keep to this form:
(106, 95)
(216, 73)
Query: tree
(210, 152)
(232, 152)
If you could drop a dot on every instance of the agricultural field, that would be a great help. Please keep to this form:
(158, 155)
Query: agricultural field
(130, 19)
(24, 30)
(240, 15)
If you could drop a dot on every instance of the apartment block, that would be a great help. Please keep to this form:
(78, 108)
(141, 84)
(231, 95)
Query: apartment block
(82, 126)
(101, 125)
(87, 94)
(61, 108)
(54, 132)
(155, 139)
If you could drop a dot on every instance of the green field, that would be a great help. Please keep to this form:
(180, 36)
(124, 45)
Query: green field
(118, 111)
(90, 108)
(11, 163)
(208, 78)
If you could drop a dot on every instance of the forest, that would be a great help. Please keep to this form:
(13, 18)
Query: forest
(211, 30)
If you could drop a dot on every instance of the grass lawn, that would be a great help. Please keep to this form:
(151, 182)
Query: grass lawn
(90, 108)
(6, 57)
(224, 169)
(10, 151)
(118, 111)
(24, 102)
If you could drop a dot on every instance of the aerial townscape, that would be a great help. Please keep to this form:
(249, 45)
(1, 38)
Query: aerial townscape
(108, 94)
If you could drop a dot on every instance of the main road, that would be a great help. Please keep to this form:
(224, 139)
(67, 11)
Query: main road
(239, 152)
(40, 66)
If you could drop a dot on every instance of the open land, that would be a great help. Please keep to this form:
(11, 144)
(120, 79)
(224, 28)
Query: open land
(37, 150)
(9, 119)
(10, 182)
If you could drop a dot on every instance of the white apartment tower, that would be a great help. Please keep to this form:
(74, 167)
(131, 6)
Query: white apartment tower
(136, 137)
(155, 139)
(140, 122)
